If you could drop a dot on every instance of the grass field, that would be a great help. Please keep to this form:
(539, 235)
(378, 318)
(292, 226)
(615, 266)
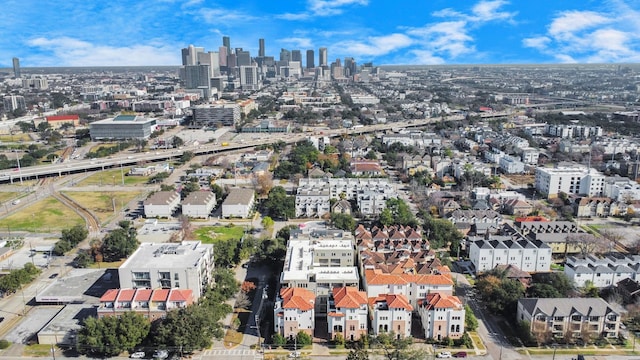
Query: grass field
(15, 137)
(37, 350)
(104, 146)
(211, 234)
(6, 196)
(101, 202)
(113, 176)
(45, 215)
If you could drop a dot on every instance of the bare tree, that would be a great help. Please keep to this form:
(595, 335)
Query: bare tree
(540, 332)
(586, 243)
(185, 225)
(612, 238)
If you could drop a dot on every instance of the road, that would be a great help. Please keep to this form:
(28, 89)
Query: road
(74, 166)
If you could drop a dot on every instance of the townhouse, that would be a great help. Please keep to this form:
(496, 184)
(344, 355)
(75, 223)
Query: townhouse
(347, 313)
(570, 317)
(604, 271)
(530, 256)
(442, 316)
(151, 303)
(294, 311)
(390, 312)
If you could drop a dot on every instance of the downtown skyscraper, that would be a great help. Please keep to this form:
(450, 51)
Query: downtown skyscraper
(323, 57)
(310, 59)
(16, 68)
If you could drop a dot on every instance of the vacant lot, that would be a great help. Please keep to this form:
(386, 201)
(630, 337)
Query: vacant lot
(211, 234)
(44, 216)
(15, 137)
(6, 196)
(113, 177)
(101, 203)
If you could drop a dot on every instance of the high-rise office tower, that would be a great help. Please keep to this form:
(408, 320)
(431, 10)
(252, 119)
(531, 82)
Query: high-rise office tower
(323, 60)
(14, 102)
(285, 55)
(296, 56)
(197, 76)
(16, 67)
(249, 77)
(310, 59)
(226, 42)
(261, 48)
(211, 58)
(349, 67)
(222, 54)
(190, 55)
(243, 58)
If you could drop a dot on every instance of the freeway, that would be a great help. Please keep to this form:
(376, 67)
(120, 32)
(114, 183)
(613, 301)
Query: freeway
(82, 165)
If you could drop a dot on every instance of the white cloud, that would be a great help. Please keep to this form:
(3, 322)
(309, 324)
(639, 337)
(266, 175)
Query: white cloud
(317, 8)
(539, 42)
(571, 22)
(225, 16)
(591, 37)
(483, 11)
(298, 42)
(332, 7)
(376, 45)
(425, 57)
(449, 37)
(490, 10)
(65, 51)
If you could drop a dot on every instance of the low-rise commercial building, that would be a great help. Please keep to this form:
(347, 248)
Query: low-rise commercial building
(122, 127)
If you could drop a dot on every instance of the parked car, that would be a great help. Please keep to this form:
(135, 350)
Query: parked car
(295, 354)
(444, 355)
(53, 276)
(160, 354)
(460, 354)
(137, 355)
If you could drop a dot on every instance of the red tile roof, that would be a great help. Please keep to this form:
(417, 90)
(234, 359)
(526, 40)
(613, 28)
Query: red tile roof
(63, 118)
(297, 298)
(143, 295)
(126, 294)
(160, 295)
(396, 301)
(349, 297)
(181, 295)
(109, 295)
(442, 301)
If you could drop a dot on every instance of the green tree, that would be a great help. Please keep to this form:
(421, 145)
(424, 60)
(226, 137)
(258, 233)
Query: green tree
(278, 339)
(470, 320)
(441, 232)
(119, 243)
(110, 335)
(187, 156)
(500, 293)
(226, 284)
(303, 338)
(358, 354)
(177, 141)
(395, 348)
(401, 212)
(267, 222)
(278, 205)
(343, 221)
(187, 329)
(543, 291)
(386, 217)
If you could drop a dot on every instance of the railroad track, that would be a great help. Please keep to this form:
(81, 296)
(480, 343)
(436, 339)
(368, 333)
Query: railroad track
(92, 221)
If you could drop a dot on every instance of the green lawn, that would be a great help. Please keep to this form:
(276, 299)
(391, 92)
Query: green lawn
(113, 177)
(211, 234)
(45, 215)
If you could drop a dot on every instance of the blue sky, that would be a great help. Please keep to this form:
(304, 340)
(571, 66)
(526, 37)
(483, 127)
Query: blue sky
(152, 32)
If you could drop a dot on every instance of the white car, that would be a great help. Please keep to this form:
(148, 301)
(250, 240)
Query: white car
(138, 355)
(160, 354)
(294, 354)
(444, 355)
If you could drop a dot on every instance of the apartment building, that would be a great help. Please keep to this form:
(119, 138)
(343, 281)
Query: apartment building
(294, 311)
(347, 313)
(574, 316)
(161, 204)
(320, 262)
(199, 204)
(187, 265)
(414, 286)
(370, 194)
(151, 303)
(569, 180)
(442, 316)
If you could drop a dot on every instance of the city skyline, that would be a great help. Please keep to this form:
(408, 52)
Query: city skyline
(75, 33)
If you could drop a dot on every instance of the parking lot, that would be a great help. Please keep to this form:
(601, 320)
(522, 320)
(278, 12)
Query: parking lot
(32, 251)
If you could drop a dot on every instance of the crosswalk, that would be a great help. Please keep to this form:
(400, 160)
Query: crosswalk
(236, 352)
